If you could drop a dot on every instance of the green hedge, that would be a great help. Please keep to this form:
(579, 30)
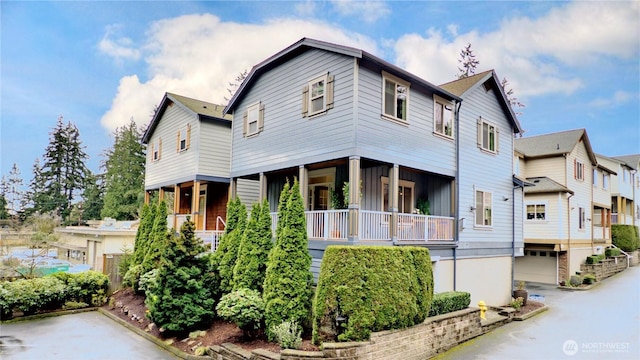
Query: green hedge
(51, 292)
(612, 252)
(374, 288)
(449, 301)
(625, 237)
(594, 259)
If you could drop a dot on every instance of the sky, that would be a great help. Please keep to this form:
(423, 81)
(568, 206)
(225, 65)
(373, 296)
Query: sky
(101, 64)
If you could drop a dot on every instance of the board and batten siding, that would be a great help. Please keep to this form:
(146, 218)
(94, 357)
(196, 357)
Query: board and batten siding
(288, 139)
(480, 170)
(413, 144)
(214, 149)
(172, 164)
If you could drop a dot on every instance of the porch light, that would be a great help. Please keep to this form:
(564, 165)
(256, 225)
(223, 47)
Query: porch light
(340, 319)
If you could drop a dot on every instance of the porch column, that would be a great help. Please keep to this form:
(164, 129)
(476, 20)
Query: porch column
(303, 180)
(176, 205)
(147, 197)
(263, 187)
(233, 188)
(354, 197)
(195, 203)
(394, 175)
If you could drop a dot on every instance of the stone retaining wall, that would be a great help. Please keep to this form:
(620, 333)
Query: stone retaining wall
(634, 261)
(435, 335)
(607, 267)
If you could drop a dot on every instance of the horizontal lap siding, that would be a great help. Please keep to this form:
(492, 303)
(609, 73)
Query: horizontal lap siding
(413, 145)
(172, 165)
(487, 172)
(553, 226)
(583, 189)
(288, 139)
(553, 168)
(214, 142)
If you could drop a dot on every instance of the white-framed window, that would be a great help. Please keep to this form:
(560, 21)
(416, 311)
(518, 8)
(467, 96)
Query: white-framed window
(595, 177)
(253, 119)
(156, 149)
(406, 195)
(578, 170)
(483, 208)
(443, 117)
(488, 134)
(605, 181)
(582, 218)
(395, 97)
(184, 138)
(317, 95)
(536, 212)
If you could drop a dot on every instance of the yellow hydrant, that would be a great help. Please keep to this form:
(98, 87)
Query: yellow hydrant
(483, 310)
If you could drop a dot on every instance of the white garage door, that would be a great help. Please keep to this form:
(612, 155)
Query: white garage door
(537, 266)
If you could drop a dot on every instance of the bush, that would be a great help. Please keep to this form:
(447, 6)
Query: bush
(90, 287)
(243, 307)
(625, 237)
(132, 277)
(253, 251)
(375, 288)
(227, 253)
(287, 335)
(72, 305)
(32, 295)
(589, 279)
(594, 259)
(450, 301)
(517, 303)
(611, 252)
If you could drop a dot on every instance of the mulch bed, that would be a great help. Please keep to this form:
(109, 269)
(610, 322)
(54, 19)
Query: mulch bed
(531, 306)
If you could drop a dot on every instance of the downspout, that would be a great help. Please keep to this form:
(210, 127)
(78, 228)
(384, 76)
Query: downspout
(456, 215)
(513, 233)
(568, 235)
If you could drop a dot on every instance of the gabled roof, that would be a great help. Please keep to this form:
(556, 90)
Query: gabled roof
(305, 44)
(554, 144)
(490, 80)
(631, 161)
(544, 185)
(202, 109)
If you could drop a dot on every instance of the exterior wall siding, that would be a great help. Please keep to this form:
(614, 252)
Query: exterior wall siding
(213, 146)
(553, 168)
(555, 218)
(583, 192)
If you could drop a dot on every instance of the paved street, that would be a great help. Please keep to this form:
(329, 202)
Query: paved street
(602, 323)
(86, 336)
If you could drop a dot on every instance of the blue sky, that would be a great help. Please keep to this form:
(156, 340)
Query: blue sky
(99, 64)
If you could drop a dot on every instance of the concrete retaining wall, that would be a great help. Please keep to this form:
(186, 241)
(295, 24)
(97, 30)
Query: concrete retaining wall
(635, 260)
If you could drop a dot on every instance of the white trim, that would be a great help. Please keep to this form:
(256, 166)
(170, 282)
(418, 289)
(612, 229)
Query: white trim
(445, 103)
(402, 183)
(386, 76)
(324, 79)
(253, 107)
(491, 207)
(544, 203)
(495, 137)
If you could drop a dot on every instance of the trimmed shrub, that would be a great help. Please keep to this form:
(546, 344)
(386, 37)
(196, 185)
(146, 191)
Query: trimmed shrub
(625, 237)
(450, 301)
(227, 253)
(158, 239)
(589, 279)
(374, 288)
(254, 250)
(611, 252)
(89, 287)
(287, 286)
(594, 259)
(32, 295)
(243, 307)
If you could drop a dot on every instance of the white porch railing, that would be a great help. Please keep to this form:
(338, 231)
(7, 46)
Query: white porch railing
(327, 224)
(424, 228)
(601, 233)
(614, 218)
(211, 238)
(374, 225)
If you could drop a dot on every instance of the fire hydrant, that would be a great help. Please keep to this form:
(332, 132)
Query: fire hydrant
(483, 310)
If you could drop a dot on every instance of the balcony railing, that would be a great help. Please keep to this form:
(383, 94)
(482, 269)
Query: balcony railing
(601, 233)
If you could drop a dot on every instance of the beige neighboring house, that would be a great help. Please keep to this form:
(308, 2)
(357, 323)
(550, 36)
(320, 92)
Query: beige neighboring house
(98, 246)
(567, 213)
(625, 188)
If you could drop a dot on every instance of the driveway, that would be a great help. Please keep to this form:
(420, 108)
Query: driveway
(601, 323)
(86, 336)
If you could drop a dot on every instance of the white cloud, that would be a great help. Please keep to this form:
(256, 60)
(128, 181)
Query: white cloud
(618, 98)
(120, 48)
(531, 53)
(306, 8)
(369, 11)
(198, 55)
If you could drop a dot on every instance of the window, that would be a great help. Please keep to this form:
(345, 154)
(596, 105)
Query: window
(443, 117)
(581, 218)
(536, 212)
(395, 97)
(405, 196)
(184, 138)
(484, 214)
(578, 169)
(595, 178)
(487, 136)
(156, 149)
(253, 119)
(317, 96)
(605, 181)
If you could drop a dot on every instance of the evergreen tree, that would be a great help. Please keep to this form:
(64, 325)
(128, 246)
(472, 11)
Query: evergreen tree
(254, 250)
(288, 279)
(227, 253)
(92, 196)
(36, 192)
(63, 172)
(180, 302)
(157, 240)
(468, 61)
(4, 213)
(13, 191)
(513, 100)
(124, 174)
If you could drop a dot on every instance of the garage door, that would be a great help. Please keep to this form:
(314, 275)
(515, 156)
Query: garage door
(537, 266)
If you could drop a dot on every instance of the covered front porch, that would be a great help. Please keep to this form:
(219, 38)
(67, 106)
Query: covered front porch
(393, 204)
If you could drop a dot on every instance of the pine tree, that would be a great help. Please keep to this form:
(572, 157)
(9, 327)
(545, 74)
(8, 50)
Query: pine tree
(4, 213)
(124, 174)
(254, 250)
(36, 192)
(157, 240)
(14, 192)
(288, 279)
(92, 197)
(227, 253)
(181, 303)
(468, 61)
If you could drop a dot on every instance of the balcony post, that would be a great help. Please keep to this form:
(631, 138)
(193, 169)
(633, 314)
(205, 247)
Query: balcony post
(176, 205)
(303, 180)
(263, 187)
(195, 203)
(354, 197)
(393, 202)
(233, 188)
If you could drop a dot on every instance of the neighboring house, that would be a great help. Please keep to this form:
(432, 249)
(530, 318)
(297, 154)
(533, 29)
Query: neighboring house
(331, 115)
(625, 188)
(567, 211)
(188, 151)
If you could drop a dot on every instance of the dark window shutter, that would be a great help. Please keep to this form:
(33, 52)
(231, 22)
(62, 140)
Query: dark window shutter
(329, 93)
(305, 101)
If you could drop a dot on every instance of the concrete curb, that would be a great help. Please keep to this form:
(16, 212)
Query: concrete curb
(48, 315)
(531, 314)
(173, 350)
